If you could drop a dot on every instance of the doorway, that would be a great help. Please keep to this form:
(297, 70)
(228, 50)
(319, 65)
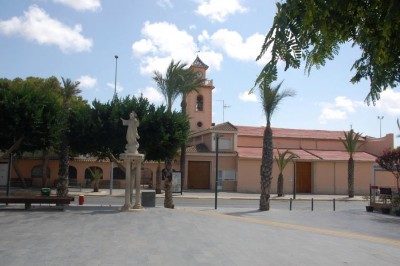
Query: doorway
(199, 175)
(303, 177)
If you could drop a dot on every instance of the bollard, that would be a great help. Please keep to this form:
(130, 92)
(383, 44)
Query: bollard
(334, 204)
(81, 199)
(312, 204)
(290, 204)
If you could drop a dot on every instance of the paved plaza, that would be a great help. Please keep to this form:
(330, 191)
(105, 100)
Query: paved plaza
(99, 235)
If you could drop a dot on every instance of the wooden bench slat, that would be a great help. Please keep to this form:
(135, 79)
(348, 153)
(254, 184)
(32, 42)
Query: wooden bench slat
(28, 200)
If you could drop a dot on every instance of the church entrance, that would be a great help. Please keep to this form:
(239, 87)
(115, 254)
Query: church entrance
(303, 177)
(199, 175)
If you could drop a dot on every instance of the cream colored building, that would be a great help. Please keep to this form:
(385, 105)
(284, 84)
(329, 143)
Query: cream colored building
(320, 169)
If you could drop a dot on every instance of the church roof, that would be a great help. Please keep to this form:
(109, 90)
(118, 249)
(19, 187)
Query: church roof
(292, 133)
(197, 148)
(224, 127)
(308, 155)
(198, 63)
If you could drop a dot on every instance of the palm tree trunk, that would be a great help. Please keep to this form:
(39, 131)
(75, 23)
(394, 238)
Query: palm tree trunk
(351, 177)
(183, 146)
(62, 182)
(158, 178)
(280, 185)
(167, 173)
(266, 169)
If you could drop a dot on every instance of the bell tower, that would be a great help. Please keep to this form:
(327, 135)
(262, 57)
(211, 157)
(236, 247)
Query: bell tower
(199, 104)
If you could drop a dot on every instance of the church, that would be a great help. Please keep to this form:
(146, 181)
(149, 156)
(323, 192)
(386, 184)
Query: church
(321, 167)
(236, 151)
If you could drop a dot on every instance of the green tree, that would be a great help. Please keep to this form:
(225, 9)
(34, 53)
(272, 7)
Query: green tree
(351, 143)
(282, 160)
(314, 30)
(271, 97)
(166, 131)
(69, 91)
(390, 161)
(29, 117)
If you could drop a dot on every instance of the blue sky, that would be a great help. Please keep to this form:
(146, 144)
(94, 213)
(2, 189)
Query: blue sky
(78, 39)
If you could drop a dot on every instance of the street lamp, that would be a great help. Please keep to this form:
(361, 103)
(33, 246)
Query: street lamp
(217, 136)
(380, 125)
(115, 82)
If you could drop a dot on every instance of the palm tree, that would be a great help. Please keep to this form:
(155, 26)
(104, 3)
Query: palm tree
(69, 90)
(351, 144)
(271, 97)
(169, 85)
(282, 160)
(178, 80)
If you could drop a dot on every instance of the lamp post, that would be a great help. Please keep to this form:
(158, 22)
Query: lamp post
(216, 167)
(380, 125)
(115, 82)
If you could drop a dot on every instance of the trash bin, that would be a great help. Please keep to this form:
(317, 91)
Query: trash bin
(148, 198)
(46, 191)
(81, 199)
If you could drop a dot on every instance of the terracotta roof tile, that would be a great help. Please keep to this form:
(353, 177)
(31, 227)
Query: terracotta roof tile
(290, 133)
(197, 148)
(224, 127)
(309, 155)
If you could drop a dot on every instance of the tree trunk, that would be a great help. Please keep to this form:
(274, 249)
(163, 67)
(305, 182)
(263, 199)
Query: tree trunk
(167, 174)
(158, 178)
(14, 147)
(266, 169)
(45, 162)
(62, 182)
(18, 172)
(183, 146)
(183, 163)
(351, 177)
(280, 185)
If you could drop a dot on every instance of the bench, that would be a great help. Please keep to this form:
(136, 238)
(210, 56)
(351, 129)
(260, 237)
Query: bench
(28, 200)
(385, 193)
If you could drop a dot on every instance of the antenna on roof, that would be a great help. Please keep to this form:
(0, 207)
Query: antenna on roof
(223, 109)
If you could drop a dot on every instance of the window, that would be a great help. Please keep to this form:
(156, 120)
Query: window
(224, 144)
(199, 103)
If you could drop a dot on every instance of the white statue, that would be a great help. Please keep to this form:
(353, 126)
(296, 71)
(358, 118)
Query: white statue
(132, 134)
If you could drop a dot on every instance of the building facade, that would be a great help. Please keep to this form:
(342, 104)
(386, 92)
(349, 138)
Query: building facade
(321, 167)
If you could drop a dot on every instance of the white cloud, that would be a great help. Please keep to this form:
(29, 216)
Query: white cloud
(152, 94)
(165, 3)
(218, 10)
(339, 109)
(81, 5)
(36, 25)
(87, 82)
(246, 97)
(112, 86)
(233, 44)
(164, 41)
(389, 102)
(329, 113)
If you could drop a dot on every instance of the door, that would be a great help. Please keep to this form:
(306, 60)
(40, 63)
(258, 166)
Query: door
(303, 177)
(198, 175)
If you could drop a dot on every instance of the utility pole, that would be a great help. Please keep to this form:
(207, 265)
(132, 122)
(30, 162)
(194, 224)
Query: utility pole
(115, 82)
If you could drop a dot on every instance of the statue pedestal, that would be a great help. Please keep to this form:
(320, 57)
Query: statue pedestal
(132, 159)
